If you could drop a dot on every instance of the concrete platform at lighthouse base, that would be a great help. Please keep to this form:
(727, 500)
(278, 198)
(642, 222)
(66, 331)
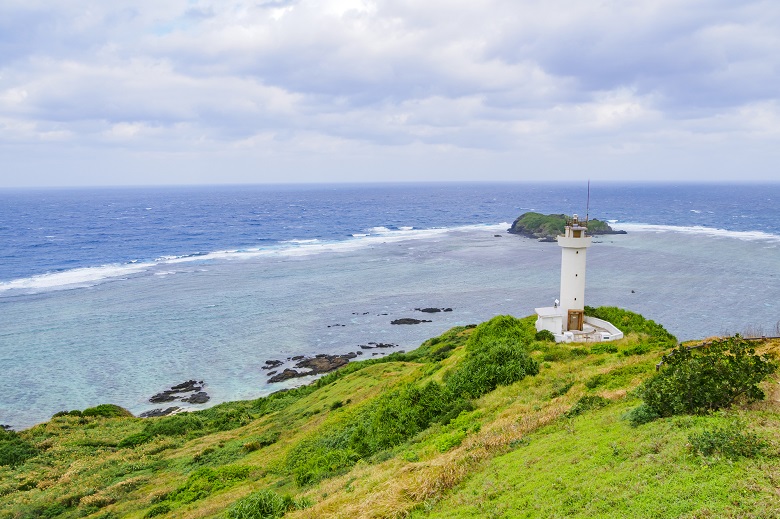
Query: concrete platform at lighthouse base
(593, 329)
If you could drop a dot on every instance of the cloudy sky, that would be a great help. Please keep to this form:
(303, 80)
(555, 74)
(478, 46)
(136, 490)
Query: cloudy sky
(207, 91)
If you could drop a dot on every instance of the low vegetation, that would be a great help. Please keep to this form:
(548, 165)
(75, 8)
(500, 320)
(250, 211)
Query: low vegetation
(487, 421)
(548, 226)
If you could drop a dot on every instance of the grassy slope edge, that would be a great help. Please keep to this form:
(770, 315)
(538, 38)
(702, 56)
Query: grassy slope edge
(518, 450)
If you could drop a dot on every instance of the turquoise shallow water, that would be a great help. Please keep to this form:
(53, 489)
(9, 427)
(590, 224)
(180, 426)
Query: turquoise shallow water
(101, 301)
(218, 320)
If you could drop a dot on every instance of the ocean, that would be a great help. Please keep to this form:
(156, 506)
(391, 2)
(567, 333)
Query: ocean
(112, 295)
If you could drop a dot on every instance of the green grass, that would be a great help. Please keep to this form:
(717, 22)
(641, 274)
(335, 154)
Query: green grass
(596, 465)
(397, 435)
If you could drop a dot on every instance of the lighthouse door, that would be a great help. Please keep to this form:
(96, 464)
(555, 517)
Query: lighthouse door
(575, 320)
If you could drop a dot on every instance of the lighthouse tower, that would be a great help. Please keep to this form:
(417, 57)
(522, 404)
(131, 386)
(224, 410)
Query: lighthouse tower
(574, 245)
(567, 320)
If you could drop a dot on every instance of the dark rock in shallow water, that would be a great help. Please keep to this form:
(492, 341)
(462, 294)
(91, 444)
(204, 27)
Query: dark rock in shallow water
(274, 372)
(159, 412)
(322, 363)
(186, 387)
(169, 395)
(270, 364)
(197, 398)
(297, 357)
(496, 236)
(287, 374)
(433, 310)
(408, 320)
(5, 427)
(372, 345)
(165, 396)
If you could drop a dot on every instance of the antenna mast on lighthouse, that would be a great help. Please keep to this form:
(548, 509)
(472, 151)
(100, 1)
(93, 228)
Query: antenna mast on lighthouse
(587, 205)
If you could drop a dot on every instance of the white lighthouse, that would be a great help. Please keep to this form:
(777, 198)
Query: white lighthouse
(566, 319)
(574, 245)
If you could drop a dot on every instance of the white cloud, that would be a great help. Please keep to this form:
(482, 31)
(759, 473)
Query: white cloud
(493, 82)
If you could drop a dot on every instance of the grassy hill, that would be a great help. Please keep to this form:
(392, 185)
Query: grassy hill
(482, 421)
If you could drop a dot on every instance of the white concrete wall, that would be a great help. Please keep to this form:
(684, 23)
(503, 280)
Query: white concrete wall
(615, 333)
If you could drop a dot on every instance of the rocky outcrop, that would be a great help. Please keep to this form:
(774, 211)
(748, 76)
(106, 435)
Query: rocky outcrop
(177, 393)
(546, 228)
(316, 365)
(198, 398)
(409, 320)
(433, 310)
(154, 413)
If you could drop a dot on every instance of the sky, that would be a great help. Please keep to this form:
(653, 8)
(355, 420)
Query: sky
(286, 91)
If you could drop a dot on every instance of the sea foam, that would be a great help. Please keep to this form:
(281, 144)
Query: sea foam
(699, 230)
(90, 276)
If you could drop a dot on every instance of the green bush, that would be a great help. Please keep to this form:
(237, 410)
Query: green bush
(630, 322)
(700, 380)
(134, 440)
(561, 387)
(603, 347)
(389, 421)
(14, 450)
(731, 441)
(495, 363)
(641, 414)
(205, 481)
(494, 357)
(106, 411)
(158, 509)
(265, 504)
(502, 328)
(587, 403)
(544, 335)
(450, 440)
(75, 412)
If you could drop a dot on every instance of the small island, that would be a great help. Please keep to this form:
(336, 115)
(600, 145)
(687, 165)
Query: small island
(547, 227)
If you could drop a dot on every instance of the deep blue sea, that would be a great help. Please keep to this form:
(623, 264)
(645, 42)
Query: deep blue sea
(111, 295)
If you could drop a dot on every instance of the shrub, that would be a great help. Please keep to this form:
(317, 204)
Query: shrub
(106, 411)
(561, 387)
(448, 441)
(75, 412)
(205, 481)
(603, 347)
(14, 450)
(641, 414)
(630, 322)
(389, 421)
(587, 403)
(260, 505)
(731, 441)
(496, 363)
(544, 335)
(265, 504)
(134, 440)
(697, 381)
(503, 328)
(158, 509)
